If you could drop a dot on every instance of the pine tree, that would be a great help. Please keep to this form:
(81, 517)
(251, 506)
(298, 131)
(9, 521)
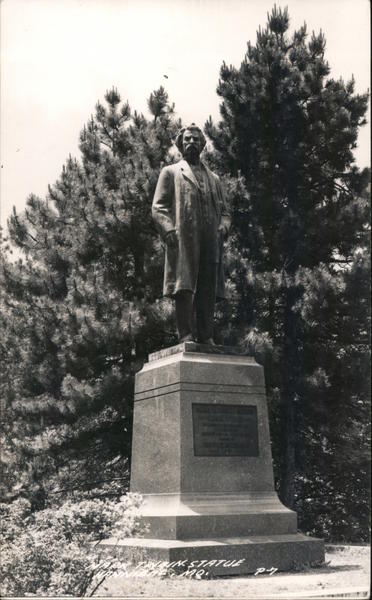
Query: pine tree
(83, 306)
(285, 144)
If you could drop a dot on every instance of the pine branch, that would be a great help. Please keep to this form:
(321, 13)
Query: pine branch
(338, 260)
(106, 144)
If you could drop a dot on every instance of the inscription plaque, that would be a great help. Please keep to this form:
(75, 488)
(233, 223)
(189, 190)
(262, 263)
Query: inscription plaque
(225, 430)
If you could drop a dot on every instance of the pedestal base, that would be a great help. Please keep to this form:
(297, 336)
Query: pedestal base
(201, 459)
(220, 556)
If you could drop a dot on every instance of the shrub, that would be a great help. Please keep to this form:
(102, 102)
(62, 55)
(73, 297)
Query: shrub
(46, 551)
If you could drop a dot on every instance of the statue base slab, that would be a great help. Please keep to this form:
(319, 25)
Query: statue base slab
(218, 556)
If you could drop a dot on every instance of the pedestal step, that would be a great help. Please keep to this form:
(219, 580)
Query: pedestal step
(219, 556)
(202, 516)
(205, 526)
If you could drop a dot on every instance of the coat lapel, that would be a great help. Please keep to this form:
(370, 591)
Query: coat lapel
(213, 188)
(187, 172)
(210, 177)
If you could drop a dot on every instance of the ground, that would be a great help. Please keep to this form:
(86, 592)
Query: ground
(346, 574)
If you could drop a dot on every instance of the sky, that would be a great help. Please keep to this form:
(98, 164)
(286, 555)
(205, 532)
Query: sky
(58, 57)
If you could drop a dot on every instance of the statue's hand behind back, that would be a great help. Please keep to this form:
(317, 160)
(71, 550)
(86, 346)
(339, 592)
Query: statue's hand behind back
(223, 231)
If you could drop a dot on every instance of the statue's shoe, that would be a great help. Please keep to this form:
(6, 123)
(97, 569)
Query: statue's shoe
(187, 338)
(209, 342)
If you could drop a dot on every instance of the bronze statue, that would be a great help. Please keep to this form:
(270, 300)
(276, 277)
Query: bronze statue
(190, 211)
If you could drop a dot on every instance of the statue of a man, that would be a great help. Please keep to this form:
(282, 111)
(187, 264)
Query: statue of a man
(190, 211)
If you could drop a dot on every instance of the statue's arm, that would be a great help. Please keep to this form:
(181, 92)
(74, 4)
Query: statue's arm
(163, 203)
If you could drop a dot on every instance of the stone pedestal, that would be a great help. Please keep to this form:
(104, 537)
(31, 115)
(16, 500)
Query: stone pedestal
(201, 458)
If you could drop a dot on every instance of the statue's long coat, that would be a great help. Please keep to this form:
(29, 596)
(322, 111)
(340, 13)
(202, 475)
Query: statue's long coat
(176, 206)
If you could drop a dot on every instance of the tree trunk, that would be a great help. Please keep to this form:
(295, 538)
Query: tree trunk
(139, 264)
(288, 456)
(288, 373)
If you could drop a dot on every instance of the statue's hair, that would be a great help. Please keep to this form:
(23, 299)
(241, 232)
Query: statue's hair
(179, 138)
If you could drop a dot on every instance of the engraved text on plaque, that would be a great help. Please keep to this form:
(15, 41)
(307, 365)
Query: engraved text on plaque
(225, 430)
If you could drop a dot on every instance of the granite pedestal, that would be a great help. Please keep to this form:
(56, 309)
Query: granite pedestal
(201, 458)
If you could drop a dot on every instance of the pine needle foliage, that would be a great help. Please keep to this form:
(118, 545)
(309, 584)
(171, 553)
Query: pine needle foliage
(299, 263)
(83, 306)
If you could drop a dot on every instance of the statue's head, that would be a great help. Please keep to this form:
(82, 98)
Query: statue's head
(190, 141)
